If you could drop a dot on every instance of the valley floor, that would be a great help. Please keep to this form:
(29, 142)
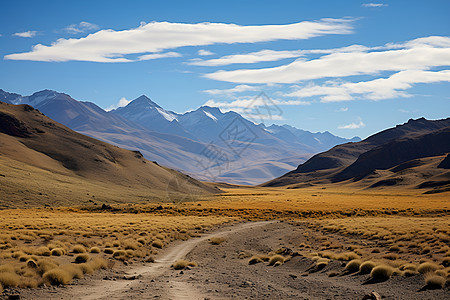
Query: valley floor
(320, 236)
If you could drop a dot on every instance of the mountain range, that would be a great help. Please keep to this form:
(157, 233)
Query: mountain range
(413, 155)
(205, 143)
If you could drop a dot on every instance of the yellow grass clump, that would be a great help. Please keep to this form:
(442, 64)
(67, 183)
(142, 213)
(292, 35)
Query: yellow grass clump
(353, 266)
(382, 272)
(182, 264)
(427, 267)
(434, 281)
(366, 267)
(276, 259)
(216, 240)
(57, 277)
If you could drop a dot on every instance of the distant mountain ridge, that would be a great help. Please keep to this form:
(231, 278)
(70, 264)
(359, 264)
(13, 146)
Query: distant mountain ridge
(412, 154)
(203, 143)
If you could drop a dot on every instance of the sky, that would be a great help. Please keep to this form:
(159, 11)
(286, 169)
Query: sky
(352, 68)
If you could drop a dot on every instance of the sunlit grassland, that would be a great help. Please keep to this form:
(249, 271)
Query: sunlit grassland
(401, 230)
(54, 246)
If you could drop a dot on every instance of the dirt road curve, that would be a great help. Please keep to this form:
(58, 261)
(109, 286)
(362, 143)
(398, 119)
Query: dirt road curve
(144, 282)
(223, 273)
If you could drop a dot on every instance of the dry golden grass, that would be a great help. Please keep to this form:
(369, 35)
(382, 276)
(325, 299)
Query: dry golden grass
(399, 231)
(51, 246)
(216, 240)
(434, 281)
(182, 264)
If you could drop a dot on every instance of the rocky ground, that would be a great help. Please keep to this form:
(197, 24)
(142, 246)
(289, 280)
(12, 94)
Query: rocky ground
(223, 272)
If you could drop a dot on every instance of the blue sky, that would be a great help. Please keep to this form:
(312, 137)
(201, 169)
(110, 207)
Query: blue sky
(349, 67)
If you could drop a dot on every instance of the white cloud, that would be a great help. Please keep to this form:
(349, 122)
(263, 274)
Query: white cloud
(248, 58)
(342, 109)
(353, 125)
(122, 102)
(80, 28)
(269, 55)
(418, 54)
(246, 102)
(26, 34)
(112, 46)
(159, 55)
(377, 89)
(237, 89)
(203, 52)
(373, 5)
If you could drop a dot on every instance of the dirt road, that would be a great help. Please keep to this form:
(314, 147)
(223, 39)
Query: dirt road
(223, 273)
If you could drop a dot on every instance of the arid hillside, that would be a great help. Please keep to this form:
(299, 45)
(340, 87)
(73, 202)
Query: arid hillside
(410, 155)
(45, 163)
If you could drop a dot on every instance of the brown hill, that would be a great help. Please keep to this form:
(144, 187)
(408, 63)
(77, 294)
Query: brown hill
(406, 155)
(44, 162)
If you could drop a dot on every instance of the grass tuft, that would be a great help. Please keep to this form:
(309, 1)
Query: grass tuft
(57, 277)
(81, 258)
(366, 267)
(434, 281)
(94, 250)
(254, 260)
(382, 272)
(57, 252)
(427, 267)
(353, 265)
(9, 279)
(182, 264)
(276, 258)
(216, 240)
(79, 249)
(157, 244)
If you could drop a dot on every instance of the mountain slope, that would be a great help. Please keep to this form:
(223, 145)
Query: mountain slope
(30, 140)
(385, 157)
(150, 115)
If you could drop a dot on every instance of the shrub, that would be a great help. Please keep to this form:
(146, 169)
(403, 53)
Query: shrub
(42, 251)
(181, 264)
(86, 268)
(216, 240)
(57, 252)
(427, 267)
(9, 279)
(391, 256)
(74, 270)
(157, 244)
(322, 263)
(276, 258)
(118, 253)
(98, 263)
(31, 263)
(346, 256)
(434, 281)
(79, 249)
(81, 258)
(254, 260)
(57, 277)
(46, 265)
(446, 262)
(366, 267)
(382, 272)
(353, 265)
(108, 251)
(410, 267)
(95, 250)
